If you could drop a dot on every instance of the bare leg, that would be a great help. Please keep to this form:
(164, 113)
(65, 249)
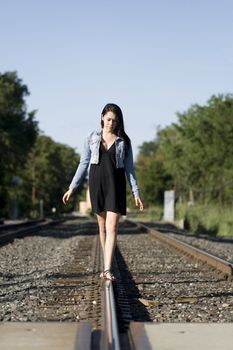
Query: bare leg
(101, 218)
(111, 223)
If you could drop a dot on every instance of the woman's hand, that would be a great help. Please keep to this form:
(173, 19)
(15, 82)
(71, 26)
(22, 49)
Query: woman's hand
(138, 203)
(66, 196)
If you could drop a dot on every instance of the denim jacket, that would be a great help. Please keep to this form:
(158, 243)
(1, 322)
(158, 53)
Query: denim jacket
(90, 154)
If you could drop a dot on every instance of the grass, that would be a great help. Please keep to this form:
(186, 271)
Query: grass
(206, 219)
(198, 219)
(154, 213)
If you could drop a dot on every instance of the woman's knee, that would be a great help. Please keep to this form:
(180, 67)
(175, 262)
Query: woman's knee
(111, 229)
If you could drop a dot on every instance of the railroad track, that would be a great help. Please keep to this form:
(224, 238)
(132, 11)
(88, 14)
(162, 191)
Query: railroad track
(127, 334)
(154, 283)
(218, 263)
(8, 232)
(173, 285)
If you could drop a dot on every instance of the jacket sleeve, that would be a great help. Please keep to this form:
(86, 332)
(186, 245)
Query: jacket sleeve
(81, 171)
(130, 172)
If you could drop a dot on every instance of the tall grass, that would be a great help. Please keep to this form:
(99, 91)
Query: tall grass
(154, 213)
(199, 219)
(206, 219)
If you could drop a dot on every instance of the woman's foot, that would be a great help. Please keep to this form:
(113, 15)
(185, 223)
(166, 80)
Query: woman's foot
(109, 275)
(102, 274)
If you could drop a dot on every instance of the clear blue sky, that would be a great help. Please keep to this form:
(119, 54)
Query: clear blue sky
(153, 58)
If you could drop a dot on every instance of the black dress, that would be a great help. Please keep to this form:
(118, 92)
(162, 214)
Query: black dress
(107, 183)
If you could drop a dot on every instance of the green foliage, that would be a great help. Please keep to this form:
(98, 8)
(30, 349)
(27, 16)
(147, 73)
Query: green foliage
(18, 129)
(206, 219)
(193, 157)
(47, 175)
(155, 213)
(32, 167)
(18, 132)
(152, 213)
(207, 136)
(171, 147)
(151, 174)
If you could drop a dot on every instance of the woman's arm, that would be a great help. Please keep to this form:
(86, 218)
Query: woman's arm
(82, 167)
(130, 173)
(80, 172)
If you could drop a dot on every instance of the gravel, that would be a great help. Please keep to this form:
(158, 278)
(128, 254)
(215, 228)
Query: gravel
(46, 277)
(218, 246)
(165, 286)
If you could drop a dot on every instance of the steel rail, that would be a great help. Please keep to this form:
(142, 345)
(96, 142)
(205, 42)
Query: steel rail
(218, 263)
(110, 339)
(22, 224)
(9, 235)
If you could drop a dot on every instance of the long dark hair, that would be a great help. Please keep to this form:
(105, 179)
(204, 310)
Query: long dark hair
(119, 130)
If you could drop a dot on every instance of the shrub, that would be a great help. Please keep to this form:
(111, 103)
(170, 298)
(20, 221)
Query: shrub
(206, 219)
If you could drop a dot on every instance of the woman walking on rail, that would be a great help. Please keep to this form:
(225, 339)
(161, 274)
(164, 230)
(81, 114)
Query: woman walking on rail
(109, 152)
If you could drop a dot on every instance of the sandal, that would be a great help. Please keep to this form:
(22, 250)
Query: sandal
(102, 274)
(109, 275)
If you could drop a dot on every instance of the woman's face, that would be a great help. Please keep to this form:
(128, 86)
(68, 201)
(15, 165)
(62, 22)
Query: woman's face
(110, 121)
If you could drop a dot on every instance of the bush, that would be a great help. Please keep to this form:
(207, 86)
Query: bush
(151, 214)
(206, 219)
(155, 213)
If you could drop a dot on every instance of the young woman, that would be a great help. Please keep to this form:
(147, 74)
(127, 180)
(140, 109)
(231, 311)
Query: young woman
(109, 153)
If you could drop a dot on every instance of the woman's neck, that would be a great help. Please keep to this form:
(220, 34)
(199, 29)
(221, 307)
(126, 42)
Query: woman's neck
(107, 132)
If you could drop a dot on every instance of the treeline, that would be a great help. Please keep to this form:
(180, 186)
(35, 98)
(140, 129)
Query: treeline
(193, 156)
(34, 170)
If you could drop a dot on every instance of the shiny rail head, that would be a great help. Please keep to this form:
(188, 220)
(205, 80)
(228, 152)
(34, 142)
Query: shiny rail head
(111, 340)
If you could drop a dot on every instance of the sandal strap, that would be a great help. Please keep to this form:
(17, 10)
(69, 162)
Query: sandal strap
(110, 273)
(107, 271)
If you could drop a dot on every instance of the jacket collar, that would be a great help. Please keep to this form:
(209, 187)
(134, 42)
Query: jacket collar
(99, 132)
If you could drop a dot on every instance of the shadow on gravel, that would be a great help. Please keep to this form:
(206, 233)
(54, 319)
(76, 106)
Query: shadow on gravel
(127, 291)
(66, 231)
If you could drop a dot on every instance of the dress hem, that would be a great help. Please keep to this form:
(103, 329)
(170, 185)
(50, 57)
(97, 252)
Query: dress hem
(113, 211)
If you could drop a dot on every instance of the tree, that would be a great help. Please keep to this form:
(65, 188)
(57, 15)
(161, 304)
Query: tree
(152, 175)
(193, 156)
(207, 134)
(18, 132)
(171, 147)
(49, 170)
